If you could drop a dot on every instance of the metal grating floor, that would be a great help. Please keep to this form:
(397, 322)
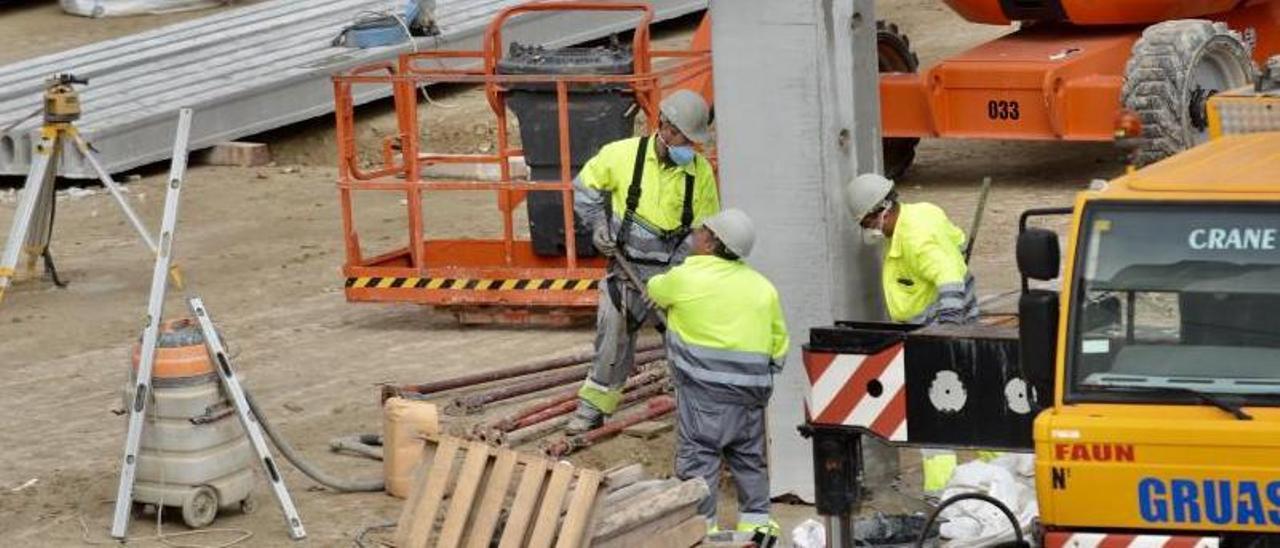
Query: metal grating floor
(244, 71)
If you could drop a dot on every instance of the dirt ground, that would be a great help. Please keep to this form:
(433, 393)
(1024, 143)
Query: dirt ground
(263, 246)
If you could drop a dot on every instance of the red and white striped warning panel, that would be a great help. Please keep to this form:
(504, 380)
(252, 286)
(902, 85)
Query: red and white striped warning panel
(1106, 540)
(867, 391)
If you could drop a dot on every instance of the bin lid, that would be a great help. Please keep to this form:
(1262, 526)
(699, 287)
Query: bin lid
(180, 351)
(534, 59)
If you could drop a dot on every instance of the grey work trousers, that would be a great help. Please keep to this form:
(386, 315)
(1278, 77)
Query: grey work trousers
(616, 330)
(709, 431)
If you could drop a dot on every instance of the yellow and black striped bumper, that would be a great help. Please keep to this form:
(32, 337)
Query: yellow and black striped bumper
(473, 284)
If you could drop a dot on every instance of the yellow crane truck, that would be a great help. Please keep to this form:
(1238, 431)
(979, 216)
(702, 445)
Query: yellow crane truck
(1148, 385)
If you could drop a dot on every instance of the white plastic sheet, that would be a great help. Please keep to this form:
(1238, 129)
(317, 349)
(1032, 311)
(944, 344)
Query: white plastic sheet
(1010, 478)
(809, 534)
(116, 8)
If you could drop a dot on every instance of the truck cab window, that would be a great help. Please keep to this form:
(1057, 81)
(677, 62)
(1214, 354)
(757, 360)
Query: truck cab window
(1176, 297)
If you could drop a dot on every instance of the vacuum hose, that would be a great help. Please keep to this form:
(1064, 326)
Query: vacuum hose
(337, 484)
(1008, 514)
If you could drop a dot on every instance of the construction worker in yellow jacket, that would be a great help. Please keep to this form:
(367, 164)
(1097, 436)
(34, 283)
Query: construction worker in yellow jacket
(641, 196)
(726, 338)
(925, 277)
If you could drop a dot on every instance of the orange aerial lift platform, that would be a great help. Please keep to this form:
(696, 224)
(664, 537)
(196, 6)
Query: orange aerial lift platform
(550, 276)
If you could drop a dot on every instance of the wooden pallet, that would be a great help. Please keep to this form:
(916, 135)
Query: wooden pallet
(462, 490)
(652, 514)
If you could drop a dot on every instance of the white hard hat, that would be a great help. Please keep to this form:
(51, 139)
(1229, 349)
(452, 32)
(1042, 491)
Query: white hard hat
(734, 229)
(865, 193)
(688, 111)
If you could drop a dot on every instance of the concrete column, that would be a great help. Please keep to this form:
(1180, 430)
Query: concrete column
(797, 115)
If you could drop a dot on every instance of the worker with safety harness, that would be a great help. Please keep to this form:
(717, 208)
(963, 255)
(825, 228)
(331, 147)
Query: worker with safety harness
(641, 196)
(925, 276)
(726, 338)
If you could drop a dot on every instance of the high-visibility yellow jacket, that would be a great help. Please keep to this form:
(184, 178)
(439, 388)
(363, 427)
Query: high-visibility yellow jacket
(925, 277)
(726, 334)
(661, 188)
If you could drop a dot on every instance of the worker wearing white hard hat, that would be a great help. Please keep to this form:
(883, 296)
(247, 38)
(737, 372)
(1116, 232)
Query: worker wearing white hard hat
(641, 197)
(726, 338)
(925, 277)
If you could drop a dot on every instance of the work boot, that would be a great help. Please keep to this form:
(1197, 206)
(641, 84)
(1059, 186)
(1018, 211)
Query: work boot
(762, 535)
(585, 419)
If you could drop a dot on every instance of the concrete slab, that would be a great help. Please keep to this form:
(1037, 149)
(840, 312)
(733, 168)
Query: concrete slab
(245, 71)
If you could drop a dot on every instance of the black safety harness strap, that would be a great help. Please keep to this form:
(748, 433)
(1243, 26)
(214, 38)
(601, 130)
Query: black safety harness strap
(672, 237)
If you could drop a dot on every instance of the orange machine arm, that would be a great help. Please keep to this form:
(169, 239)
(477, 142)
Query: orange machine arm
(1093, 12)
(700, 83)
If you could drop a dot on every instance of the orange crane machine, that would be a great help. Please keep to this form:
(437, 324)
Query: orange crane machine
(1139, 71)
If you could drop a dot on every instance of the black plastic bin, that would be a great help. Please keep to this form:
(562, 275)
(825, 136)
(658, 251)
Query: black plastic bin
(598, 114)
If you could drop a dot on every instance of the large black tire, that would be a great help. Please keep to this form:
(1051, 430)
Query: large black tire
(895, 55)
(1173, 70)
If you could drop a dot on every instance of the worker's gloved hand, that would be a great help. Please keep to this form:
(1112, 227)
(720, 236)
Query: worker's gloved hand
(602, 238)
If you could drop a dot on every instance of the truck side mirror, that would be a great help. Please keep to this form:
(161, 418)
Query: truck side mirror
(1038, 254)
(1038, 258)
(1038, 341)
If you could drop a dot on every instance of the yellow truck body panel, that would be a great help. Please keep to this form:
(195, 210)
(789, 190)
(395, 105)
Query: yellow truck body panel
(1171, 467)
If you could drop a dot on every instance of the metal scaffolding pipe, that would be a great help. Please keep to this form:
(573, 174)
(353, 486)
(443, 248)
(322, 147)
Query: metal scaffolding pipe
(639, 392)
(519, 420)
(512, 439)
(474, 403)
(655, 408)
(537, 366)
(546, 427)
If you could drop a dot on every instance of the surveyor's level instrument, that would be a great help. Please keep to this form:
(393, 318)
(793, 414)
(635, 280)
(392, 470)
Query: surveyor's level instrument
(32, 227)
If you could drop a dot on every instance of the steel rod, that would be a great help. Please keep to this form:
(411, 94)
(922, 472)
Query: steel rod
(637, 394)
(523, 435)
(529, 368)
(474, 403)
(508, 423)
(644, 387)
(519, 437)
(654, 408)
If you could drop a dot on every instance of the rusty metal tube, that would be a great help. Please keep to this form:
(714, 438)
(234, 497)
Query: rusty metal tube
(548, 426)
(654, 408)
(638, 392)
(474, 403)
(522, 418)
(512, 439)
(537, 366)
(637, 388)
(564, 408)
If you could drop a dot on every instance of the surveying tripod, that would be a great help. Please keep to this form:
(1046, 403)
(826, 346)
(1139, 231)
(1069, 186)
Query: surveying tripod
(33, 221)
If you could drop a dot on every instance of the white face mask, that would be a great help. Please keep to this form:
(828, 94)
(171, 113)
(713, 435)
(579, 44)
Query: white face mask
(872, 236)
(875, 234)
